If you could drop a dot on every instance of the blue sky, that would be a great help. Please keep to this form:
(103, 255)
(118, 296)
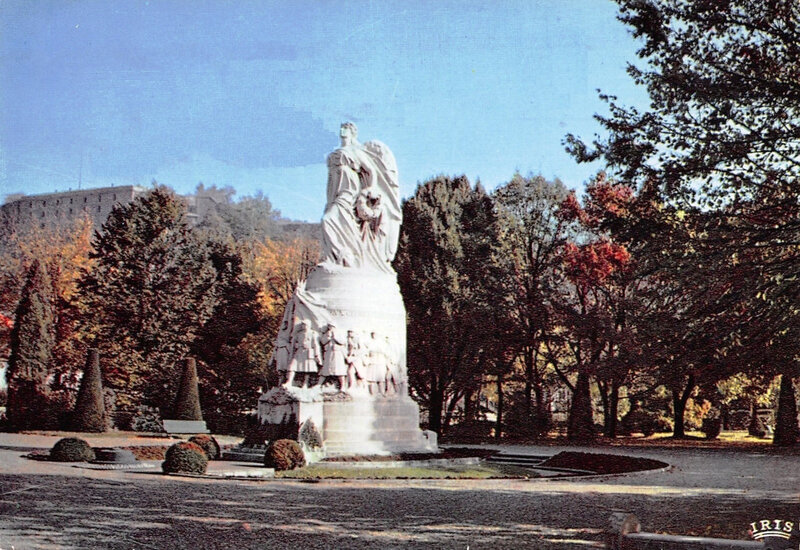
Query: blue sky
(251, 94)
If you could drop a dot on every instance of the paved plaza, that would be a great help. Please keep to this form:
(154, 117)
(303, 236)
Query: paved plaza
(708, 492)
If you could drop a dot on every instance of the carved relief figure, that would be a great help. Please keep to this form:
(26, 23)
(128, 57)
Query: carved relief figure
(306, 353)
(392, 368)
(355, 365)
(376, 370)
(280, 356)
(333, 354)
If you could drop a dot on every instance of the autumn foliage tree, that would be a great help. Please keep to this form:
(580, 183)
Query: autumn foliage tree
(531, 235)
(720, 135)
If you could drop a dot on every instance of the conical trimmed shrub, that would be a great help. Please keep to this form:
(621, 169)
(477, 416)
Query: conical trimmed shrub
(187, 405)
(89, 414)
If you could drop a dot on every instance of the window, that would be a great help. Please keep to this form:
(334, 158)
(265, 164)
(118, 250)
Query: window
(44, 203)
(99, 198)
(70, 211)
(70, 201)
(115, 196)
(42, 214)
(98, 208)
(85, 199)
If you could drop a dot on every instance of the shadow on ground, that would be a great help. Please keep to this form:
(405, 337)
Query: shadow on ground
(142, 512)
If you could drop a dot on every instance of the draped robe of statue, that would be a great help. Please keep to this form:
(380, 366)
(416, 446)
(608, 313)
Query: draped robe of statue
(361, 223)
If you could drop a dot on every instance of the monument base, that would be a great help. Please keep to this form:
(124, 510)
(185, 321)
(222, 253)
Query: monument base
(348, 424)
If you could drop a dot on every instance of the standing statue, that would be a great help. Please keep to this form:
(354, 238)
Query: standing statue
(361, 223)
(333, 357)
(355, 366)
(306, 353)
(347, 317)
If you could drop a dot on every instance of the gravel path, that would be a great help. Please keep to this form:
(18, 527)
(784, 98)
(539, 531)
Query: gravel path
(714, 493)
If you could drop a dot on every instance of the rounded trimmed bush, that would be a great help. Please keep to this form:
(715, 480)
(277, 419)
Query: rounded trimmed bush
(711, 427)
(284, 454)
(209, 445)
(186, 458)
(71, 449)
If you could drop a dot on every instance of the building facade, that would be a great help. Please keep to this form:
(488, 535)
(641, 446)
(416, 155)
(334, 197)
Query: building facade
(63, 207)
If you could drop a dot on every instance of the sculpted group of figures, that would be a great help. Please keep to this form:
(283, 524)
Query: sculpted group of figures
(360, 232)
(368, 363)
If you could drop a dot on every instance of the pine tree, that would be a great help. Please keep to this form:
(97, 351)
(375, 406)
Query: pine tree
(89, 414)
(152, 289)
(32, 342)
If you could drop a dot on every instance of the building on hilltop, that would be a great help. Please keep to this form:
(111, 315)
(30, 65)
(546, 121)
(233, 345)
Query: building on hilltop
(63, 207)
(56, 208)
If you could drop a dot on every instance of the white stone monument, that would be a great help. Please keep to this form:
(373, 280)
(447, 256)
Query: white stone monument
(344, 329)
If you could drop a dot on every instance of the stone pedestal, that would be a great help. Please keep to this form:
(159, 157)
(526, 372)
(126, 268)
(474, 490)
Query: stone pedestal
(349, 425)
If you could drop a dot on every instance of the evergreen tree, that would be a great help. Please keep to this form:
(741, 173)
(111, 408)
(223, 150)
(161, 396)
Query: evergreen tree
(233, 346)
(443, 261)
(89, 414)
(31, 349)
(150, 292)
(187, 404)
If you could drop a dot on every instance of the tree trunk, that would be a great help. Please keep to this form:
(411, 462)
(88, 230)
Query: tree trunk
(542, 415)
(679, 400)
(498, 430)
(529, 360)
(469, 406)
(580, 425)
(435, 406)
(610, 416)
(786, 429)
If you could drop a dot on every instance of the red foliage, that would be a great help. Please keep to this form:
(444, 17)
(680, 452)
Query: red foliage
(593, 263)
(608, 198)
(6, 322)
(571, 210)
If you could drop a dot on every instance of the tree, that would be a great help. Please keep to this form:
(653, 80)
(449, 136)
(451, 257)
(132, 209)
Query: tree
(30, 360)
(89, 414)
(532, 235)
(150, 292)
(233, 347)
(64, 250)
(721, 134)
(187, 402)
(446, 242)
(278, 266)
(247, 219)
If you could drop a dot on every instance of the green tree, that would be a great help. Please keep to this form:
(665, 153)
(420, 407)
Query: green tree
(31, 352)
(89, 414)
(150, 292)
(187, 402)
(532, 235)
(447, 239)
(234, 345)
